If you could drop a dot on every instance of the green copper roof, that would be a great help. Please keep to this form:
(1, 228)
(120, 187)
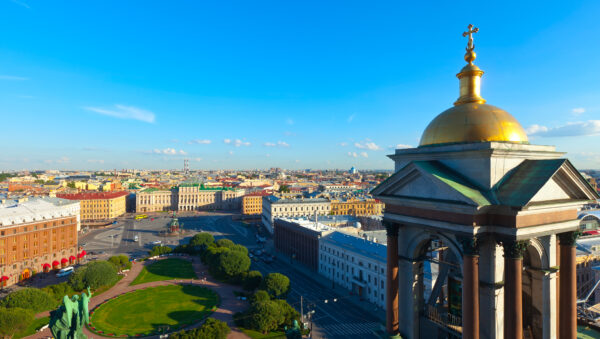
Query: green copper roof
(456, 181)
(519, 186)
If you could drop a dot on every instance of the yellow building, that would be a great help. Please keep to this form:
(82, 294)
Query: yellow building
(357, 207)
(99, 205)
(252, 203)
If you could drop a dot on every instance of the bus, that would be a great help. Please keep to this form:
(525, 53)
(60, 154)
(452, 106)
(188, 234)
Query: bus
(65, 271)
(140, 216)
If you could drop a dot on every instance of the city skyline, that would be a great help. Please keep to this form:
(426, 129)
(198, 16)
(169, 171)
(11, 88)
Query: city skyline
(282, 85)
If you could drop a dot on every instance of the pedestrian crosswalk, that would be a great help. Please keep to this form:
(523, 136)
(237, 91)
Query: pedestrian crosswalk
(364, 330)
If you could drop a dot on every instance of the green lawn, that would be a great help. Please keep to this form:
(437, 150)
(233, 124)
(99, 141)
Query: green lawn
(149, 310)
(36, 324)
(257, 335)
(166, 269)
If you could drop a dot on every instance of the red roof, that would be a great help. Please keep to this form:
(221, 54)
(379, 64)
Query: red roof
(258, 194)
(92, 195)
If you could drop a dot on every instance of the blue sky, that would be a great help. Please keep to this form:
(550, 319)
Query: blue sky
(258, 84)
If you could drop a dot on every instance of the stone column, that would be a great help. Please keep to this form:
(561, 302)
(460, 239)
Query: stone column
(391, 290)
(513, 288)
(568, 286)
(470, 288)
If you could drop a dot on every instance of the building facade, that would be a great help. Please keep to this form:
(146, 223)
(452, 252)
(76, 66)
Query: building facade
(356, 264)
(299, 239)
(193, 197)
(36, 235)
(274, 207)
(357, 207)
(252, 203)
(99, 205)
(155, 200)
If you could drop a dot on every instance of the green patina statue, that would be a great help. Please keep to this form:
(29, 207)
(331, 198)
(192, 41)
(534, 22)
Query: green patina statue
(68, 320)
(293, 332)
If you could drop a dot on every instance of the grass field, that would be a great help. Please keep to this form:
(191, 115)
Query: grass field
(166, 269)
(150, 310)
(257, 335)
(34, 326)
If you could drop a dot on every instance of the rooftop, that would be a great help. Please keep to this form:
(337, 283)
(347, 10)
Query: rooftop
(274, 199)
(358, 245)
(92, 195)
(13, 212)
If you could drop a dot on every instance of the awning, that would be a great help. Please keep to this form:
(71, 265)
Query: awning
(64, 261)
(46, 265)
(4, 278)
(83, 253)
(55, 263)
(72, 257)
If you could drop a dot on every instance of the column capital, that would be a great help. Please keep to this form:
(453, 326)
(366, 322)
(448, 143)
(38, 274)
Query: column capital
(514, 249)
(569, 238)
(391, 228)
(470, 245)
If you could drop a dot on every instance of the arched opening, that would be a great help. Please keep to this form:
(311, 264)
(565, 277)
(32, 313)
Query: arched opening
(440, 292)
(533, 275)
(26, 274)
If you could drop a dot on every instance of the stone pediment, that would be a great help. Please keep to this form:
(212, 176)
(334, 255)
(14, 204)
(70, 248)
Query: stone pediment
(432, 181)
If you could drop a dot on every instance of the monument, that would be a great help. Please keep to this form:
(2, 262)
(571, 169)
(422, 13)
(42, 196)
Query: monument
(68, 320)
(493, 215)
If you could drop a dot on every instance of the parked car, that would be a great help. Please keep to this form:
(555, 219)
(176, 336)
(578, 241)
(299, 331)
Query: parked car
(65, 272)
(157, 242)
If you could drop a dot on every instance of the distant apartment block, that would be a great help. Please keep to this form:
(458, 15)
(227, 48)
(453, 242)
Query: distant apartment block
(37, 235)
(274, 207)
(192, 197)
(357, 207)
(98, 205)
(252, 203)
(299, 239)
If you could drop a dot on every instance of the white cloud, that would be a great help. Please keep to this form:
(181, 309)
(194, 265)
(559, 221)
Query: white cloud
(297, 161)
(125, 112)
(63, 160)
(352, 154)
(367, 145)
(12, 77)
(279, 143)
(351, 117)
(95, 161)
(571, 129)
(169, 151)
(578, 110)
(230, 152)
(236, 142)
(200, 141)
(364, 154)
(343, 144)
(400, 146)
(197, 159)
(289, 121)
(268, 155)
(289, 134)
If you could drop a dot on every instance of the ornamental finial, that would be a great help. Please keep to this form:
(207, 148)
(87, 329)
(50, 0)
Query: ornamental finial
(470, 55)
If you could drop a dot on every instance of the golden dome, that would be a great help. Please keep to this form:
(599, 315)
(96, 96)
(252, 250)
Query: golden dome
(471, 119)
(473, 122)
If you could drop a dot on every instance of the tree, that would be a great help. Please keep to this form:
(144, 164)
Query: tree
(212, 328)
(264, 316)
(58, 291)
(252, 280)
(239, 248)
(71, 184)
(14, 320)
(225, 243)
(288, 312)
(276, 284)
(202, 240)
(284, 189)
(121, 262)
(260, 296)
(158, 250)
(95, 274)
(29, 298)
(232, 263)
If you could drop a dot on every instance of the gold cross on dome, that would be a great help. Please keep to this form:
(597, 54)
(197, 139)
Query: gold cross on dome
(470, 33)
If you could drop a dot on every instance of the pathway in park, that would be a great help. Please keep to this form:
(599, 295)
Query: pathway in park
(229, 303)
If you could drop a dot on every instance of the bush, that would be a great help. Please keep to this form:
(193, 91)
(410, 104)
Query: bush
(14, 320)
(201, 241)
(276, 284)
(239, 248)
(95, 274)
(225, 243)
(211, 329)
(252, 280)
(159, 250)
(58, 291)
(260, 296)
(121, 262)
(29, 298)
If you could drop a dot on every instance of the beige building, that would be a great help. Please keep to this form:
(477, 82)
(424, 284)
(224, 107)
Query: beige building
(274, 207)
(192, 197)
(154, 200)
(99, 205)
(357, 207)
(252, 203)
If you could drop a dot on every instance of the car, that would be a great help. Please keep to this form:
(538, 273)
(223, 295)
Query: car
(65, 272)
(157, 242)
(136, 238)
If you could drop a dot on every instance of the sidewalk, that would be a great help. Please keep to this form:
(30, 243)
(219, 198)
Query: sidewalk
(229, 303)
